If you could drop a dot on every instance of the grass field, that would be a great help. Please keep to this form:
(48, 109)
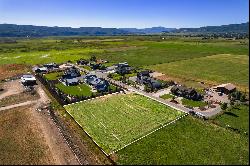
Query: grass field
(188, 141)
(21, 142)
(193, 103)
(78, 90)
(167, 96)
(53, 76)
(212, 69)
(115, 121)
(237, 117)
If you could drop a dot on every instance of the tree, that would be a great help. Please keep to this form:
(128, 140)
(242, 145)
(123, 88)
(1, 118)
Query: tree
(223, 106)
(93, 58)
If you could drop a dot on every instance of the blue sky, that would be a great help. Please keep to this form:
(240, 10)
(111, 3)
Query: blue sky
(124, 13)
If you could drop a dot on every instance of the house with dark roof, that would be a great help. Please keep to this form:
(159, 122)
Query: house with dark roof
(98, 83)
(51, 66)
(189, 93)
(123, 68)
(143, 77)
(82, 62)
(71, 73)
(226, 88)
(70, 76)
(28, 80)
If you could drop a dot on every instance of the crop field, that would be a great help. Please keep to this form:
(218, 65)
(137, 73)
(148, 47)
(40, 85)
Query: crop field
(188, 141)
(78, 90)
(212, 69)
(114, 121)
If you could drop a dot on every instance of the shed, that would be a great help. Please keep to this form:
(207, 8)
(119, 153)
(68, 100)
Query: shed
(226, 88)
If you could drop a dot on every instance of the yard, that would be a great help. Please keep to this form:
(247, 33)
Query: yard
(236, 117)
(192, 103)
(53, 76)
(78, 90)
(167, 96)
(188, 141)
(117, 120)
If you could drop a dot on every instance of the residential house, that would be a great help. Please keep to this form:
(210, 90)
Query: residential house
(123, 68)
(51, 66)
(40, 69)
(28, 80)
(226, 88)
(82, 62)
(144, 78)
(185, 92)
(98, 83)
(71, 76)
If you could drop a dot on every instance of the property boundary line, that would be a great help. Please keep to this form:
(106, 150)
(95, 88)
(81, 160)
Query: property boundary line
(148, 134)
(93, 98)
(88, 135)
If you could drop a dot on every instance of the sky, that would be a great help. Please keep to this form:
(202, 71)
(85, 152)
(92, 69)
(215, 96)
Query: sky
(124, 13)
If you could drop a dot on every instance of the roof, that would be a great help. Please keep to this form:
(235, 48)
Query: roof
(227, 86)
(72, 80)
(28, 78)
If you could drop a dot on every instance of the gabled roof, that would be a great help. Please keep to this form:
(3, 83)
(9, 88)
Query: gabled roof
(227, 86)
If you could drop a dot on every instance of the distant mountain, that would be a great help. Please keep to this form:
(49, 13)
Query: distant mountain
(231, 28)
(153, 30)
(13, 30)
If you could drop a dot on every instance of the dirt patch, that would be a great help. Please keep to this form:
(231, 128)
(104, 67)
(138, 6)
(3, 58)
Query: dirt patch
(18, 98)
(11, 88)
(21, 141)
(11, 70)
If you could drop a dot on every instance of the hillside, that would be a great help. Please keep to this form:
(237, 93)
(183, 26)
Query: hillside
(13, 30)
(231, 28)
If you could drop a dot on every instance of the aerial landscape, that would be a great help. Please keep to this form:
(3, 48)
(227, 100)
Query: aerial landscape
(135, 82)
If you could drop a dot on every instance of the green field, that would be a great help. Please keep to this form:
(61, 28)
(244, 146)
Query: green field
(188, 141)
(117, 120)
(78, 90)
(236, 117)
(193, 103)
(53, 76)
(167, 96)
(212, 69)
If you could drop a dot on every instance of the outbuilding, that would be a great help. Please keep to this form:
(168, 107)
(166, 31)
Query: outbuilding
(226, 88)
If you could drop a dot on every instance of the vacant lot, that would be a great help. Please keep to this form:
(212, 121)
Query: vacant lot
(188, 141)
(118, 120)
(11, 70)
(20, 139)
(236, 117)
(212, 69)
(78, 90)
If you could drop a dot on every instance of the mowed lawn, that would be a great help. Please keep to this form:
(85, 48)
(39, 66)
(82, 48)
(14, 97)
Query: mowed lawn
(188, 141)
(212, 69)
(117, 120)
(78, 90)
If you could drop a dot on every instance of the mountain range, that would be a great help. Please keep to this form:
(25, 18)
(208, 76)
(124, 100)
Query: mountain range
(13, 30)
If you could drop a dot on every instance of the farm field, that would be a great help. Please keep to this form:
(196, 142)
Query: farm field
(78, 90)
(237, 117)
(188, 141)
(115, 121)
(214, 69)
